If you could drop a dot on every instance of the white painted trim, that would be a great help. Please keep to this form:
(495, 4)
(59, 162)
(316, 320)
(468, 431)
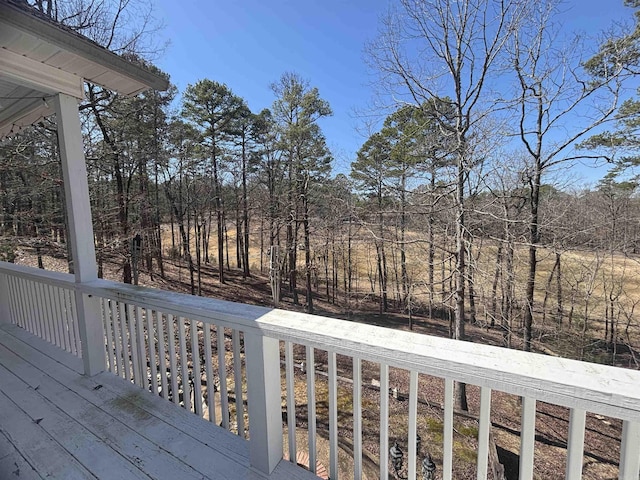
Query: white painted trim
(184, 367)
(74, 171)
(592, 387)
(39, 76)
(92, 54)
(162, 357)
(133, 343)
(197, 371)
(142, 351)
(447, 441)
(91, 334)
(483, 432)
(311, 407)
(333, 414)
(291, 401)
(357, 418)
(262, 357)
(527, 437)
(575, 444)
(384, 420)
(173, 366)
(237, 381)
(413, 427)
(108, 331)
(222, 377)
(151, 335)
(124, 338)
(630, 451)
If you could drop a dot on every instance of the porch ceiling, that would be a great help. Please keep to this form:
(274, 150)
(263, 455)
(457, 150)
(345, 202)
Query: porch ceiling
(40, 58)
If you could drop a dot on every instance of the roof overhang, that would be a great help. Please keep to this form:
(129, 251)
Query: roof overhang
(40, 58)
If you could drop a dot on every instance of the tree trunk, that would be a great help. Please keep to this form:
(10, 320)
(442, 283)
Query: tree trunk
(432, 249)
(219, 223)
(559, 290)
(533, 261)
(547, 290)
(239, 237)
(494, 286)
(245, 212)
(198, 254)
(460, 391)
(403, 254)
(307, 244)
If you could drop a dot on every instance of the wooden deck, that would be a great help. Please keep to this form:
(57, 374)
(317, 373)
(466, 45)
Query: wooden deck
(57, 423)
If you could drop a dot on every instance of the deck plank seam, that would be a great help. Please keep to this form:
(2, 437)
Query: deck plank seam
(79, 392)
(44, 432)
(92, 383)
(7, 436)
(96, 405)
(55, 408)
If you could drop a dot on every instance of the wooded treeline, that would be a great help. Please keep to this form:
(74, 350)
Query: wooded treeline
(458, 205)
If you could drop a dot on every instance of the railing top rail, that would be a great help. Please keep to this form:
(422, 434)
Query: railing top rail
(596, 388)
(592, 387)
(59, 279)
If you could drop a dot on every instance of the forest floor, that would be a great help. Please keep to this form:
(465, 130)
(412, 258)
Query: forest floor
(602, 444)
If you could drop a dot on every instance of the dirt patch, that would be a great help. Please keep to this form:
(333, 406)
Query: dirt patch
(132, 404)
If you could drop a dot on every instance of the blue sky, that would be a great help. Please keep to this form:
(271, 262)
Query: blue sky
(248, 44)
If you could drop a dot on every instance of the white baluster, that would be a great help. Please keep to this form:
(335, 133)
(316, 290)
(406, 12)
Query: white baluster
(357, 418)
(291, 400)
(527, 437)
(483, 432)
(211, 402)
(575, 444)
(311, 404)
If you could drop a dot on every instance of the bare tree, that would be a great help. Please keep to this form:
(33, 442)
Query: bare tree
(459, 42)
(552, 87)
(122, 26)
(125, 27)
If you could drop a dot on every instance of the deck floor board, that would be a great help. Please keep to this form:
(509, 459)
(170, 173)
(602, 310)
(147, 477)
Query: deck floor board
(57, 423)
(13, 463)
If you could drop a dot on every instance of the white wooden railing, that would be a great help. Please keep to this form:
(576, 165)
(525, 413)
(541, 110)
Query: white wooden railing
(43, 304)
(165, 342)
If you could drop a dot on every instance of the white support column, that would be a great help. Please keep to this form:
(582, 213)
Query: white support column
(5, 307)
(76, 189)
(264, 398)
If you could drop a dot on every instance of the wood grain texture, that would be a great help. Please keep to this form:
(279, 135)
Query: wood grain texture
(57, 422)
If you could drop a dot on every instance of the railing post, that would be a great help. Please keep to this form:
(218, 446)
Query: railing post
(264, 398)
(76, 189)
(91, 333)
(5, 308)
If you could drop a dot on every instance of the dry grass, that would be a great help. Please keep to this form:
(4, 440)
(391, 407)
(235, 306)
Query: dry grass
(589, 278)
(601, 453)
